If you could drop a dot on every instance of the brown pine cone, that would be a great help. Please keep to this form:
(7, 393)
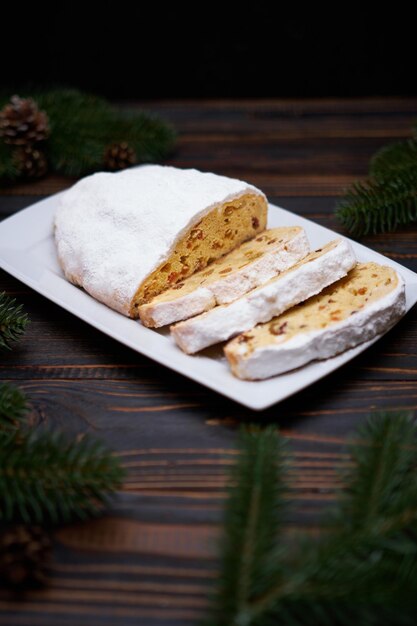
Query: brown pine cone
(31, 162)
(25, 553)
(119, 156)
(22, 123)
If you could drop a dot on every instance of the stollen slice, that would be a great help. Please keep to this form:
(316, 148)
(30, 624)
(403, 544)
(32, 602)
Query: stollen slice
(305, 279)
(367, 302)
(248, 266)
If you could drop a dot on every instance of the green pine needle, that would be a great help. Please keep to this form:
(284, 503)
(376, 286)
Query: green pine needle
(83, 126)
(377, 206)
(253, 520)
(46, 478)
(387, 199)
(363, 569)
(13, 406)
(383, 472)
(394, 159)
(13, 321)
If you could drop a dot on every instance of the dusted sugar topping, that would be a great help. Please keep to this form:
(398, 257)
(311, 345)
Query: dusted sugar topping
(113, 230)
(363, 286)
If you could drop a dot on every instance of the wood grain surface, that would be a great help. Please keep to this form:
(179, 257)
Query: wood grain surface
(153, 559)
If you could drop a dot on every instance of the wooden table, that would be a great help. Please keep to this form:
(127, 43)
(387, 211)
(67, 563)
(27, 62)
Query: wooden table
(152, 559)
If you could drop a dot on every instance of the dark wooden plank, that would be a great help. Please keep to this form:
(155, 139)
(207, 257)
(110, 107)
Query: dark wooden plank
(290, 147)
(152, 559)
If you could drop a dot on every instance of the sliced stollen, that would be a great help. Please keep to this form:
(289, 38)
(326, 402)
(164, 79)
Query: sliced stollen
(305, 279)
(127, 236)
(367, 302)
(248, 266)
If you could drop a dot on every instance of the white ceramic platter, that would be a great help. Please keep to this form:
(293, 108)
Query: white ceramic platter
(27, 252)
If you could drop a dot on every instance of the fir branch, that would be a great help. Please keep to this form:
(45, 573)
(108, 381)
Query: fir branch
(44, 477)
(382, 475)
(252, 522)
(394, 159)
(364, 567)
(376, 206)
(82, 126)
(388, 197)
(13, 321)
(13, 406)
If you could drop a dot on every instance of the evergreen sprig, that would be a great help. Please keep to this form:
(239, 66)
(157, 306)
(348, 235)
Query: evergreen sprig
(13, 321)
(46, 478)
(376, 206)
(386, 199)
(13, 407)
(363, 568)
(253, 518)
(83, 126)
(393, 159)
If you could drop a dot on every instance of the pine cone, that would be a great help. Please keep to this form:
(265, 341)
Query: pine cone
(25, 552)
(30, 162)
(22, 123)
(119, 156)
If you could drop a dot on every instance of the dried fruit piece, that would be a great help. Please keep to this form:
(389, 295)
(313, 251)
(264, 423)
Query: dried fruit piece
(172, 277)
(244, 338)
(278, 329)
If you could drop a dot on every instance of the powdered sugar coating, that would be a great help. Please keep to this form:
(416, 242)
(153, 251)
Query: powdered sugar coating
(113, 230)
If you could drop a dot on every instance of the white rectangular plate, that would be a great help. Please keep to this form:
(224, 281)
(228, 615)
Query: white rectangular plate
(27, 252)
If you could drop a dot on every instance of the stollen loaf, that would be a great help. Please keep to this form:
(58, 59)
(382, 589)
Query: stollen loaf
(127, 236)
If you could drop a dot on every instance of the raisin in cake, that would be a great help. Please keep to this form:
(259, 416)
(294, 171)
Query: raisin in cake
(126, 237)
(248, 266)
(305, 279)
(367, 302)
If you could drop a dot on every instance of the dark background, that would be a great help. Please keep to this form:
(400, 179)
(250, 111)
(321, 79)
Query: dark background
(213, 49)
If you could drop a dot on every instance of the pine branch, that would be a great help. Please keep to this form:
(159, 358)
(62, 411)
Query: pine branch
(394, 159)
(379, 206)
(82, 126)
(252, 522)
(13, 321)
(13, 406)
(383, 475)
(79, 128)
(44, 477)
(364, 567)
